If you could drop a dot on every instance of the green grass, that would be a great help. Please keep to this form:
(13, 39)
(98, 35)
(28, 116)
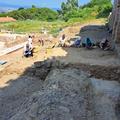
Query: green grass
(31, 26)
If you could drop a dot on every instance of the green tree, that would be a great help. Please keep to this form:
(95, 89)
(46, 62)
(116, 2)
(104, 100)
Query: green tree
(21, 8)
(33, 13)
(100, 2)
(33, 6)
(104, 7)
(69, 6)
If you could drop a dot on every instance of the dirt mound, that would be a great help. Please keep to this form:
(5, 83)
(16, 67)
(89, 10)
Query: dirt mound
(72, 95)
(15, 92)
(7, 19)
(95, 32)
(42, 69)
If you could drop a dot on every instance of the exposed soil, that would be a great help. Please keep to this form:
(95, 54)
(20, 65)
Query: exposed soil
(17, 83)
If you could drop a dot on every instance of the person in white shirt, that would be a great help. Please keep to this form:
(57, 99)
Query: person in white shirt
(30, 40)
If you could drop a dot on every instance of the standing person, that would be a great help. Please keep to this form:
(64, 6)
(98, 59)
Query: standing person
(62, 40)
(30, 41)
(41, 41)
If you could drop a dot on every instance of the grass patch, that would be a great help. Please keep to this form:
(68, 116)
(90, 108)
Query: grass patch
(31, 26)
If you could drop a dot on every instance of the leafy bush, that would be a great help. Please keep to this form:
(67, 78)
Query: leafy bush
(94, 9)
(69, 10)
(104, 11)
(33, 13)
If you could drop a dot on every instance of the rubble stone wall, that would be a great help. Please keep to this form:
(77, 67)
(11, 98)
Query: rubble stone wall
(114, 22)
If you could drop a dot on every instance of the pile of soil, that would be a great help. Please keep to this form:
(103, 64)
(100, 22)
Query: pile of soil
(72, 94)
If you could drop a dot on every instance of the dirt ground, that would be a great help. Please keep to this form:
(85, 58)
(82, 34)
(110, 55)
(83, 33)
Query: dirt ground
(17, 64)
(16, 86)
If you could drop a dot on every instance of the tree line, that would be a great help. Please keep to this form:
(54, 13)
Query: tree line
(69, 10)
(94, 9)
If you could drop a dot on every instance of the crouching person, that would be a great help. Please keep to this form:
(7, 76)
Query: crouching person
(77, 42)
(88, 43)
(28, 50)
(104, 44)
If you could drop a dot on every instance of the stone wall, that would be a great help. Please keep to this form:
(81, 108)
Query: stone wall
(114, 22)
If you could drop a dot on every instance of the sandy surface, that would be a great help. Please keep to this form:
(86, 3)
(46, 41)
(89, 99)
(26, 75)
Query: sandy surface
(82, 55)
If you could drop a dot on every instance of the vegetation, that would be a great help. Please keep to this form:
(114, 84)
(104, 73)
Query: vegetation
(34, 19)
(31, 26)
(94, 9)
(43, 14)
(69, 10)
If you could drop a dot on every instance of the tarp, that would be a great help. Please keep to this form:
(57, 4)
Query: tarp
(3, 62)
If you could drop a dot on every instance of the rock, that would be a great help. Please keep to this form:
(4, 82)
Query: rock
(118, 71)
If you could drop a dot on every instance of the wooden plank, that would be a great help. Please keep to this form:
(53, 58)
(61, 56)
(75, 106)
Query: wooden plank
(12, 49)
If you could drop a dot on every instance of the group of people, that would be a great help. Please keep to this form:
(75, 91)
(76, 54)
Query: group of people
(87, 43)
(28, 48)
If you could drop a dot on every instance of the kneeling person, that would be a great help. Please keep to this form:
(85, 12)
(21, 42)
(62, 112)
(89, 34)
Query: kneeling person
(104, 44)
(77, 42)
(28, 51)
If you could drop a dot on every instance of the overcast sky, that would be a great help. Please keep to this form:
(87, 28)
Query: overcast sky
(39, 3)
